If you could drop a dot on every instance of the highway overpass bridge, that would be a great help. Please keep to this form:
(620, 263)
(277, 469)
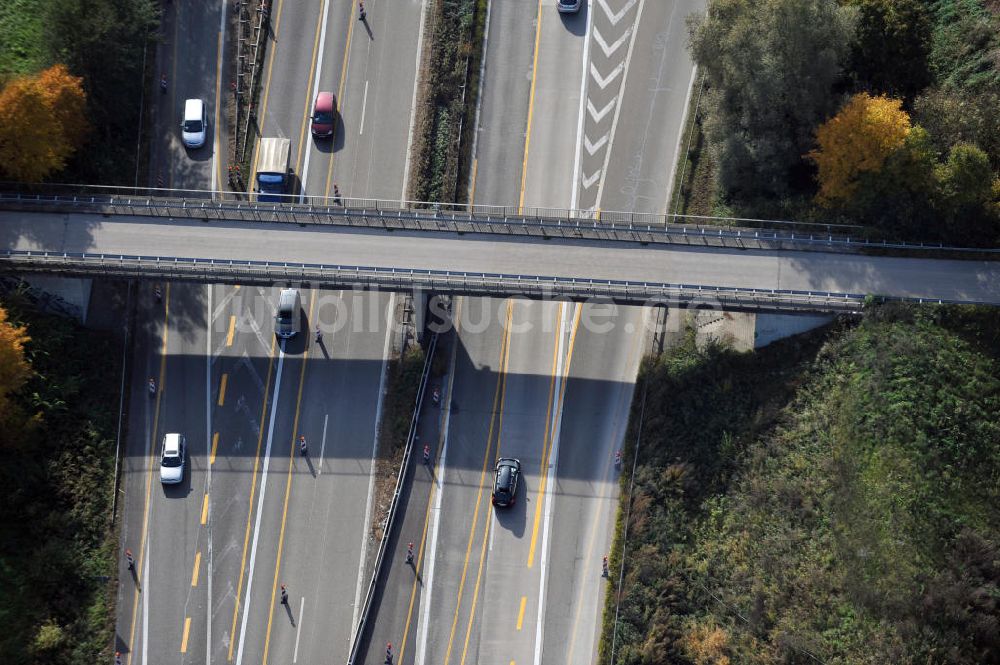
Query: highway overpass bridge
(626, 260)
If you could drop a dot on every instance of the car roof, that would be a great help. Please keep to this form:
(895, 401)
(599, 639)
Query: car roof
(172, 443)
(324, 101)
(509, 461)
(192, 109)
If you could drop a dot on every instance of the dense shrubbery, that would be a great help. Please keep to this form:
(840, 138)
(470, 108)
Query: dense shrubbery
(769, 94)
(104, 42)
(55, 497)
(838, 504)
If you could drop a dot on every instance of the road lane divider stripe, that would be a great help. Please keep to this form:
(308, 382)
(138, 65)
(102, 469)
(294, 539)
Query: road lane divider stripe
(545, 438)
(288, 491)
(204, 510)
(312, 83)
(253, 486)
(441, 466)
(531, 107)
(197, 567)
(222, 388)
(232, 330)
(545, 496)
(215, 448)
(520, 612)
(298, 629)
(187, 631)
(150, 454)
(501, 372)
(340, 97)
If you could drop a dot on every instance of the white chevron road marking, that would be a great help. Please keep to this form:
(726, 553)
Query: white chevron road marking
(594, 147)
(589, 181)
(608, 50)
(603, 82)
(613, 17)
(599, 115)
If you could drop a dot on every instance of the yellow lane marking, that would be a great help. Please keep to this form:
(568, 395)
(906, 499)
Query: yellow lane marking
(197, 566)
(475, 172)
(253, 489)
(520, 612)
(150, 453)
(545, 437)
(204, 510)
(222, 389)
(288, 487)
(504, 354)
(215, 447)
(276, 24)
(184, 639)
(551, 434)
(531, 107)
(232, 329)
(309, 87)
(431, 494)
(479, 579)
(489, 522)
(339, 102)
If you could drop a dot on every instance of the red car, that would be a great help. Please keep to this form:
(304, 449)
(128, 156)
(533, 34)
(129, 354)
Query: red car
(324, 114)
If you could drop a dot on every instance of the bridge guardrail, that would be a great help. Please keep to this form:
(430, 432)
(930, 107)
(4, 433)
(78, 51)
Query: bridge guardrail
(441, 281)
(406, 216)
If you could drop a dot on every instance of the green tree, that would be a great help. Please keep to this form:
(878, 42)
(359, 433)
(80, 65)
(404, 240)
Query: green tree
(889, 53)
(965, 188)
(857, 140)
(770, 66)
(952, 116)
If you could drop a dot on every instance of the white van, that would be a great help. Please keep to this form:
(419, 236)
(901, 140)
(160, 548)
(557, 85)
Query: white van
(288, 318)
(195, 124)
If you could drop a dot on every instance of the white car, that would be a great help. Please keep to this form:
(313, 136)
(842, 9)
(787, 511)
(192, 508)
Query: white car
(194, 127)
(172, 459)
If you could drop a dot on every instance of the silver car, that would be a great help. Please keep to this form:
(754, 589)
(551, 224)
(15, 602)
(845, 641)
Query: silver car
(172, 459)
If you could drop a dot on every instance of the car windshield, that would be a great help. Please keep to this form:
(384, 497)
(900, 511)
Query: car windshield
(192, 126)
(323, 118)
(171, 461)
(284, 316)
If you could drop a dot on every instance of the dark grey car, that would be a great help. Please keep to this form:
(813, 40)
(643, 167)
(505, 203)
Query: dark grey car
(505, 482)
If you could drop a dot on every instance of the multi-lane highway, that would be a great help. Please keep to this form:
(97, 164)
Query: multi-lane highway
(253, 513)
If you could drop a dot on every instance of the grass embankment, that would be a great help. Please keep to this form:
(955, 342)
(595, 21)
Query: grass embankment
(57, 554)
(695, 187)
(446, 102)
(826, 500)
(402, 382)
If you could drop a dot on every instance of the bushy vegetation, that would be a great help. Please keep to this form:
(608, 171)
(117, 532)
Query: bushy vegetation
(778, 71)
(107, 43)
(832, 499)
(402, 383)
(56, 483)
(449, 78)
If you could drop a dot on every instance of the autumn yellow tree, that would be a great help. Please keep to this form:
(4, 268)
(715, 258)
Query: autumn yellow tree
(857, 140)
(42, 123)
(14, 369)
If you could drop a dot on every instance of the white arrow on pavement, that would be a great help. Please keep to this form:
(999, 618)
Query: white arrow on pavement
(594, 147)
(608, 50)
(603, 82)
(587, 182)
(614, 18)
(599, 115)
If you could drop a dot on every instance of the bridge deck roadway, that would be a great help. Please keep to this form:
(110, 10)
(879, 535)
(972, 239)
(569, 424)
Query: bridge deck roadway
(954, 280)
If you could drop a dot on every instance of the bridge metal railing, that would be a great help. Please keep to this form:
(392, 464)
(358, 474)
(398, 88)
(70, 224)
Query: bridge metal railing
(437, 281)
(419, 216)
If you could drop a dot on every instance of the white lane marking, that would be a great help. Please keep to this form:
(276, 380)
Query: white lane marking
(245, 361)
(413, 101)
(603, 81)
(145, 600)
(319, 69)
(588, 181)
(364, 106)
(619, 99)
(423, 623)
(594, 147)
(260, 502)
(223, 301)
(389, 316)
(614, 18)
(596, 115)
(209, 360)
(609, 49)
(298, 630)
(550, 480)
(322, 448)
(574, 201)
